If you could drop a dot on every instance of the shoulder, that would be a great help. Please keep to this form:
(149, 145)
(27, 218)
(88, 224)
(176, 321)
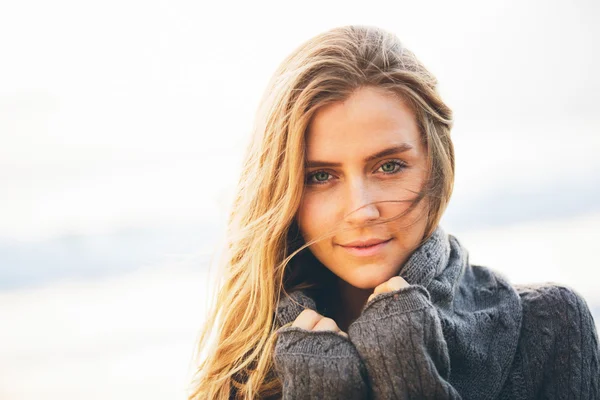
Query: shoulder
(558, 338)
(549, 309)
(550, 300)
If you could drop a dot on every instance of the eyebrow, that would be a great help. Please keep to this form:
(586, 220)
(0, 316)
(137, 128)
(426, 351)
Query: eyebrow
(383, 153)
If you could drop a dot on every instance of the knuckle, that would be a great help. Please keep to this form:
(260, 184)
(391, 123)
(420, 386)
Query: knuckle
(398, 282)
(326, 324)
(307, 318)
(308, 313)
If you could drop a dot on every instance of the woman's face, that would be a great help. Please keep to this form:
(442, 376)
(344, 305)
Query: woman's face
(359, 153)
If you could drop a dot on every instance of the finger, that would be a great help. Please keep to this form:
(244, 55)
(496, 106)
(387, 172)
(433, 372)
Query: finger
(307, 319)
(393, 284)
(390, 285)
(396, 283)
(380, 289)
(326, 324)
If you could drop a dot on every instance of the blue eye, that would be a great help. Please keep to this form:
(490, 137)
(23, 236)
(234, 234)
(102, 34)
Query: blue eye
(392, 167)
(318, 177)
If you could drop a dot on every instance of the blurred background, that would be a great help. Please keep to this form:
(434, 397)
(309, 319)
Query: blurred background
(122, 129)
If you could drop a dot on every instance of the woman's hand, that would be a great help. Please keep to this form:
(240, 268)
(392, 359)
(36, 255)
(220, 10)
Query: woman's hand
(393, 284)
(415, 368)
(315, 360)
(311, 320)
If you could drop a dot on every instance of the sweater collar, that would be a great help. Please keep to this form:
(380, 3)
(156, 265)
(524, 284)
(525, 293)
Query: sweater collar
(479, 310)
(428, 261)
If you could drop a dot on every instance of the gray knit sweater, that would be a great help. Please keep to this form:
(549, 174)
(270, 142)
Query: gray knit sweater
(459, 331)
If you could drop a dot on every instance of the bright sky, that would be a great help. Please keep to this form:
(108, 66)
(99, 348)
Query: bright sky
(129, 113)
(135, 113)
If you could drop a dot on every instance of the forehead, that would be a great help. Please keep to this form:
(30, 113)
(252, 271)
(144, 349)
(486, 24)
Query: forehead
(369, 120)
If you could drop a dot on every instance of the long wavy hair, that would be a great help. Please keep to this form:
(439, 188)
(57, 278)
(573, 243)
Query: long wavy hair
(236, 345)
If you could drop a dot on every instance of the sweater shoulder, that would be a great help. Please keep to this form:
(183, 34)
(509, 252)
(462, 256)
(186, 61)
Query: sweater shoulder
(552, 309)
(551, 300)
(558, 348)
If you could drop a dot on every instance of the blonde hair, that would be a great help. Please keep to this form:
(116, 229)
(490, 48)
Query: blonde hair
(260, 245)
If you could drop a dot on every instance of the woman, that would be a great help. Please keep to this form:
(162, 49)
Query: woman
(338, 282)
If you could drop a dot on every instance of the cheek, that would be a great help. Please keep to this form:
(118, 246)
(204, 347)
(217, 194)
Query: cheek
(394, 197)
(316, 216)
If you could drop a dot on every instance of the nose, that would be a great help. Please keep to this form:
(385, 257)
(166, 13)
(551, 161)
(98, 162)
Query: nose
(361, 207)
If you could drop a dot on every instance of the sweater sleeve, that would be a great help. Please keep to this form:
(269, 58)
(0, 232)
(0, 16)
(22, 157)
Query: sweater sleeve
(315, 364)
(318, 365)
(399, 338)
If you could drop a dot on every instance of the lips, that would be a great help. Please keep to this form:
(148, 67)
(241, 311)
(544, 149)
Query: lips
(366, 248)
(365, 243)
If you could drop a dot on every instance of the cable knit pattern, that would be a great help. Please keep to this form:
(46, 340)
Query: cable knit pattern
(458, 331)
(315, 365)
(400, 339)
(558, 353)
(318, 365)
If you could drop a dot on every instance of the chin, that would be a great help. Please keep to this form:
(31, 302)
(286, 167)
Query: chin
(370, 278)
